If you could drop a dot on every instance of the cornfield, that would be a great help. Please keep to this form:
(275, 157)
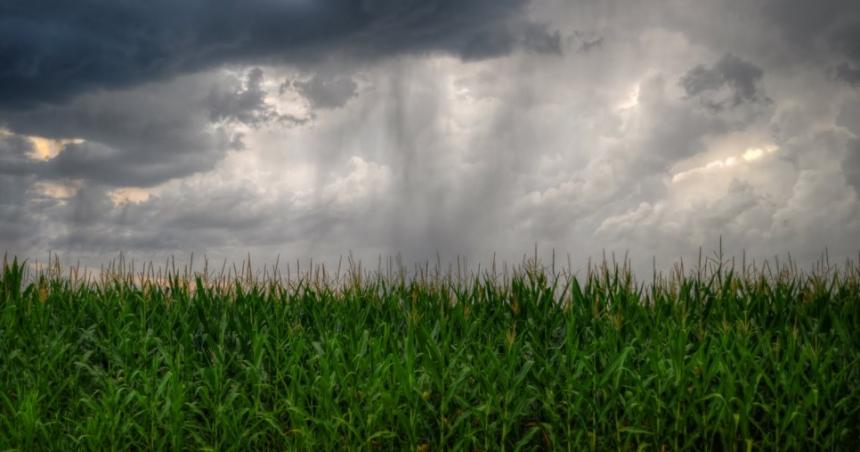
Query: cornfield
(716, 357)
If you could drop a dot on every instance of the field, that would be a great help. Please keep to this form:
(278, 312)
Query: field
(710, 357)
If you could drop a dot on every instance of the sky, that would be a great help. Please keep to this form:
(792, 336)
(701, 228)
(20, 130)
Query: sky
(317, 128)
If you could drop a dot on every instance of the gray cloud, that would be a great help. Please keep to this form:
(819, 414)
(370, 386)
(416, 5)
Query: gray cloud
(851, 166)
(849, 117)
(326, 92)
(847, 41)
(20, 228)
(804, 23)
(138, 137)
(107, 72)
(824, 32)
(245, 104)
(538, 40)
(54, 49)
(576, 140)
(849, 73)
(14, 159)
(741, 77)
(95, 224)
(584, 42)
(127, 166)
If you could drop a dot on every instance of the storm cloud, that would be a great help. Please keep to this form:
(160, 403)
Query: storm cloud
(730, 73)
(54, 49)
(327, 92)
(316, 128)
(137, 137)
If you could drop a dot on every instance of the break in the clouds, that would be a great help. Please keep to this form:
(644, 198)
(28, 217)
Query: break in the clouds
(315, 128)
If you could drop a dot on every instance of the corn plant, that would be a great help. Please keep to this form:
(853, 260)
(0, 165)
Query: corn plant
(717, 358)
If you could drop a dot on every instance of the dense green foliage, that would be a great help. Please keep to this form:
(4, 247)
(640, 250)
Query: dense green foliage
(702, 360)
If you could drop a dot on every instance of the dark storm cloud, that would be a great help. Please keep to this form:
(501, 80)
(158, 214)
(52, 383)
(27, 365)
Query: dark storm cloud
(851, 166)
(803, 22)
(584, 42)
(189, 218)
(326, 92)
(847, 40)
(456, 157)
(19, 228)
(538, 40)
(141, 166)
(812, 27)
(137, 137)
(52, 49)
(14, 152)
(246, 104)
(741, 77)
(849, 73)
(849, 118)
(676, 129)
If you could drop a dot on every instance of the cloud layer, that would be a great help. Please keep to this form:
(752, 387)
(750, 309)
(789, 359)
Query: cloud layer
(309, 129)
(55, 49)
